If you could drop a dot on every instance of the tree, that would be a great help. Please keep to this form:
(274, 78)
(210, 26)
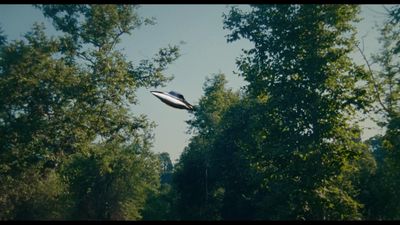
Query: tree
(232, 160)
(64, 99)
(111, 182)
(384, 200)
(372, 194)
(394, 14)
(34, 92)
(166, 168)
(161, 203)
(198, 195)
(3, 38)
(307, 145)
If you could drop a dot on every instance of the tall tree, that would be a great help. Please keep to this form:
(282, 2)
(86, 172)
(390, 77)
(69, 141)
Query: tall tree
(198, 196)
(65, 99)
(300, 65)
(238, 179)
(35, 88)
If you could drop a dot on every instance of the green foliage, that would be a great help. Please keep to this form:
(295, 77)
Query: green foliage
(391, 168)
(233, 161)
(63, 103)
(394, 16)
(287, 150)
(198, 197)
(35, 89)
(215, 101)
(111, 181)
(94, 40)
(284, 149)
(32, 196)
(166, 168)
(372, 193)
(388, 77)
(161, 203)
(383, 200)
(380, 194)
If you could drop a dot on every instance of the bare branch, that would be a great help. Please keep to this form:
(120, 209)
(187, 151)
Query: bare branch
(83, 56)
(387, 10)
(377, 12)
(362, 39)
(373, 79)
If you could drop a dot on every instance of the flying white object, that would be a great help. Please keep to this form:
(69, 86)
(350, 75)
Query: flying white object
(173, 99)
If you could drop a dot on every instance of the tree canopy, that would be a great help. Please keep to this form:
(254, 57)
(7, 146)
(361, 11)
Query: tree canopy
(286, 146)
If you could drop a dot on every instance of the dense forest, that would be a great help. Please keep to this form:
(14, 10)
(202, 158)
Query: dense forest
(285, 147)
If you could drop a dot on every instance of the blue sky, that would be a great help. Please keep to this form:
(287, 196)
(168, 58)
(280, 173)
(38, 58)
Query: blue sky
(204, 53)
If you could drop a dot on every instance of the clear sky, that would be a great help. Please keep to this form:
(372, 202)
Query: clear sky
(204, 53)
